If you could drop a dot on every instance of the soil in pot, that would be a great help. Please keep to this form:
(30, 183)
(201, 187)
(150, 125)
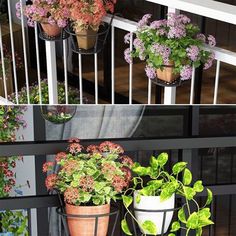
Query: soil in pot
(86, 39)
(51, 30)
(167, 74)
(154, 203)
(86, 226)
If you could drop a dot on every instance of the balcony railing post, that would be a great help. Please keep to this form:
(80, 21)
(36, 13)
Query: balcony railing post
(170, 92)
(51, 72)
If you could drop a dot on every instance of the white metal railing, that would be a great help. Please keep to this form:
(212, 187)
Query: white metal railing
(208, 8)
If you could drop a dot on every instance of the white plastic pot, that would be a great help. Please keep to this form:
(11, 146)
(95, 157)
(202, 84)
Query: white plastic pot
(154, 203)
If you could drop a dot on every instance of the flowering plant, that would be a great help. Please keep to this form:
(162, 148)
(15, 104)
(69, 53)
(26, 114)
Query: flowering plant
(44, 11)
(90, 176)
(174, 41)
(158, 182)
(8, 60)
(87, 14)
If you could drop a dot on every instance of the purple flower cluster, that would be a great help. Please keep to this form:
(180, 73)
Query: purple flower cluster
(144, 21)
(186, 72)
(139, 46)
(163, 51)
(150, 72)
(128, 56)
(157, 24)
(193, 52)
(201, 37)
(127, 38)
(209, 62)
(211, 41)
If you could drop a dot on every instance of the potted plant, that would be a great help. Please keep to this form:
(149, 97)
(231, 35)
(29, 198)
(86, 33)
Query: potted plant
(73, 94)
(171, 48)
(155, 189)
(89, 181)
(86, 17)
(48, 13)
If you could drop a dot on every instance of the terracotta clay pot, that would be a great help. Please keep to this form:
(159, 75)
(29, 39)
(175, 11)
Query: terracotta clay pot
(86, 39)
(167, 74)
(86, 226)
(51, 30)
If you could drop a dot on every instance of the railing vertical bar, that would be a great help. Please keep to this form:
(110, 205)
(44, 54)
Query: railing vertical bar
(25, 52)
(80, 79)
(96, 77)
(131, 71)
(65, 68)
(52, 72)
(13, 51)
(38, 62)
(3, 64)
(113, 65)
(216, 81)
(192, 86)
(149, 91)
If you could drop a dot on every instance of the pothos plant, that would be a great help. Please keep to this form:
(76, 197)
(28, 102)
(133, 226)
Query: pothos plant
(164, 184)
(11, 119)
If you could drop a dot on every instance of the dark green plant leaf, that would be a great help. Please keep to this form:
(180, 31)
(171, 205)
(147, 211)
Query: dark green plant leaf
(125, 227)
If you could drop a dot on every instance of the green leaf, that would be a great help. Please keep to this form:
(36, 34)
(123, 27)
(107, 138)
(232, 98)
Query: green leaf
(205, 222)
(167, 191)
(199, 232)
(148, 191)
(127, 200)
(187, 177)
(155, 183)
(204, 213)
(198, 187)
(138, 198)
(181, 216)
(178, 167)
(192, 221)
(209, 197)
(162, 159)
(175, 226)
(189, 192)
(125, 227)
(141, 171)
(153, 163)
(149, 226)
(171, 234)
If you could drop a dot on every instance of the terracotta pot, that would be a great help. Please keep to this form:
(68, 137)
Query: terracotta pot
(86, 39)
(167, 74)
(86, 226)
(51, 30)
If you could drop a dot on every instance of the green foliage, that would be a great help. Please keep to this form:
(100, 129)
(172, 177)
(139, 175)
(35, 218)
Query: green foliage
(164, 184)
(73, 94)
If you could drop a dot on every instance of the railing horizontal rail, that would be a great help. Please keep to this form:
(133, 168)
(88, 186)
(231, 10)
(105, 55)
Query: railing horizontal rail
(134, 144)
(208, 8)
(15, 203)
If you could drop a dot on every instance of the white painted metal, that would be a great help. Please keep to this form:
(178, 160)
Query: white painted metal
(80, 79)
(192, 86)
(25, 52)
(65, 68)
(131, 71)
(51, 72)
(13, 51)
(209, 8)
(216, 82)
(149, 91)
(169, 95)
(4, 101)
(38, 62)
(112, 65)
(3, 64)
(96, 77)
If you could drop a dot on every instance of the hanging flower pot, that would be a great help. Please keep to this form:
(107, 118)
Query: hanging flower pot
(86, 226)
(86, 39)
(51, 30)
(167, 74)
(154, 203)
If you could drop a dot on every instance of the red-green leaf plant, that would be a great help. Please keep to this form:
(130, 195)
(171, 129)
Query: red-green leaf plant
(164, 184)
